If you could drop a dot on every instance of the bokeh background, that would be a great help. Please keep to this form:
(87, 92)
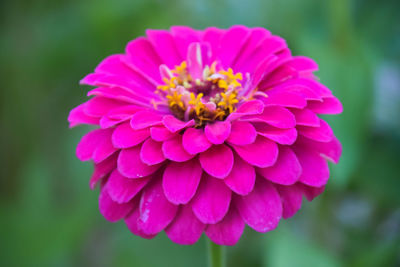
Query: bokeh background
(49, 216)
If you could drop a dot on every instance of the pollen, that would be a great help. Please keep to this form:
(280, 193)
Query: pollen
(231, 79)
(169, 83)
(212, 96)
(195, 101)
(175, 99)
(229, 101)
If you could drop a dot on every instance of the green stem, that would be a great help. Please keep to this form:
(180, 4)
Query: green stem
(216, 255)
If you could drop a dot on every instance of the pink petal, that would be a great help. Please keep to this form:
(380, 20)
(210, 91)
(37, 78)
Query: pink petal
(306, 117)
(141, 55)
(90, 142)
(164, 45)
(259, 72)
(118, 115)
(113, 65)
(270, 46)
(180, 181)
(311, 192)
(144, 119)
(315, 168)
(285, 100)
(122, 189)
(262, 153)
(110, 209)
(102, 169)
(195, 62)
(213, 36)
(247, 108)
(218, 132)
(156, 212)
(174, 125)
(132, 222)
(242, 177)
(122, 67)
(295, 88)
(161, 134)
(186, 229)
(278, 74)
(124, 136)
(257, 36)
(281, 136)
(217, 161)
(262, 208)
(301, 63)
(151, 152)
(319, 89)
(242, 133)
(330, 105)
(286, 170)
(99, 106)
(323, 133)
(228, 231)
(103, 150)
(77, 116)
(173, 150)
(137, 89)
(211, 203)
(195, 141)
(291, 197)
(331, 150)
(275, 116)
(184, 36)
(131, 166)
(231, 43)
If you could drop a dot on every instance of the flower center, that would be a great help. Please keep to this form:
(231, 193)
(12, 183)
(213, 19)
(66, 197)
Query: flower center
(203, 94)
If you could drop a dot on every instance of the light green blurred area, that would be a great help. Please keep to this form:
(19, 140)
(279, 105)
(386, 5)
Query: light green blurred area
(49, 216)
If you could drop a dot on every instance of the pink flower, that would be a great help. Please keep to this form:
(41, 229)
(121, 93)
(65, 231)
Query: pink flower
(206, 131)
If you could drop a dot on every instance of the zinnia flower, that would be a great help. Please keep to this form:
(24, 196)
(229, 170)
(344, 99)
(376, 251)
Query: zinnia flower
(206, 131)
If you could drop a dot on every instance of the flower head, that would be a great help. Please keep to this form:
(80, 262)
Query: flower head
(206, 131)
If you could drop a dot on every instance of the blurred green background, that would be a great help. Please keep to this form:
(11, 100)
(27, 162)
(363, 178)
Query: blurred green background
(49, 216)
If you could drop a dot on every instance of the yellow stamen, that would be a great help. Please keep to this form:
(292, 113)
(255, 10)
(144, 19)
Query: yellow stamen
(175, 99)
(181, 69)
(220, 114)
(228, 101)
(231, 79)
(168, 84)
(196, 102)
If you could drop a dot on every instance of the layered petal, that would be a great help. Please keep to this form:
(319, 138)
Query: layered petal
(262, 153)
(124, 136)
(195, 141)
(242, 133)
(228, 231)
(180, 181)
(291, 197)
(112, 210)
(218, 132)
(315, 170)
(262, 208)
(173, 150)
(122, 189)
(132, 222)
(242, 177)
(156, 212)
(186, 229)
(212, 200)
(286, 170)
(217, 161)
(90, 142)
(131, 166)
(151, 152)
